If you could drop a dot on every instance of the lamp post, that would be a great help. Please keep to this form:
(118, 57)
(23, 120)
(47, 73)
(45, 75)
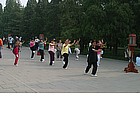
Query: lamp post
(131, 45)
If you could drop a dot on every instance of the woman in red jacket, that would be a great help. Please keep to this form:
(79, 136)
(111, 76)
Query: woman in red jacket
(16, 52)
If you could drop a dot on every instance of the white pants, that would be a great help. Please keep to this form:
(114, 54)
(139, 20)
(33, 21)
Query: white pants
(77, 51)
(138, 61)
(99, 59)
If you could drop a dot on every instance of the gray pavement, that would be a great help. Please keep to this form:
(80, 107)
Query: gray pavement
(33, 76)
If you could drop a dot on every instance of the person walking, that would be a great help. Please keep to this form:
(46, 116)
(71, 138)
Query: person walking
(16, 52)
(65, 52)
(92, 59)
(51, 51)
(1, 46)
(33, 48)
(41, 50)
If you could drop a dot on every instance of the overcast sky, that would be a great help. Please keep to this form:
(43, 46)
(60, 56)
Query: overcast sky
(23, 2)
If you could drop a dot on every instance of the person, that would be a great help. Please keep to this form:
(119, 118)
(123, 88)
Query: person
(16, 52)
(65, 52)
(77, 49)
(11, 42)
(4, 40)
(36, 43)
(59, 48)
(1, 46)
(33, 48)
(51, 51)
(90, 43)
(103, 48)
(138, 60)
(41, 49)
(99, 44)
(92, 59)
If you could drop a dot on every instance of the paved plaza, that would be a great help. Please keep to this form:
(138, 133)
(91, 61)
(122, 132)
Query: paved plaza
(33, 76)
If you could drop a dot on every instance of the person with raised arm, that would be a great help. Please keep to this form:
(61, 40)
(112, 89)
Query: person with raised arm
(65, 52)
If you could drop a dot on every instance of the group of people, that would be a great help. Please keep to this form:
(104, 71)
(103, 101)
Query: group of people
(56, 49)
(61, 51)
(95, 52)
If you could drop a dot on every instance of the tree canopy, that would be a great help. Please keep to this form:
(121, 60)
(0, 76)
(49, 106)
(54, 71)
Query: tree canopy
(112, 20)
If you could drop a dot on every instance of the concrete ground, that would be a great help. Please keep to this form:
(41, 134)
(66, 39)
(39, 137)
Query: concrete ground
(33, 76)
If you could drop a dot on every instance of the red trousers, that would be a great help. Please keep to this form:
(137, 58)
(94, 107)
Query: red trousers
(16, 58)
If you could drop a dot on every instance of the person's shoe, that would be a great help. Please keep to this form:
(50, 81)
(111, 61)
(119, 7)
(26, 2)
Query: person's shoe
(16, 65)
(85, 73)
(66, 68)
(43, 60)
(92, 75)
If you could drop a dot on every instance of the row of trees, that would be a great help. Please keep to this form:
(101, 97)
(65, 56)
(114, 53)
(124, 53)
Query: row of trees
(112, 20)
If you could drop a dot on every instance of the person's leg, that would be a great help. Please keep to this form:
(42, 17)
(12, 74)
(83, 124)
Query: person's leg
(41, 55)
(65, 60)
(53, 54)
(94, 70)
(0, 52)
(88, 67)
(51, 57)
(99, 58)
(33, 52)
(16, 59)
(57, 54)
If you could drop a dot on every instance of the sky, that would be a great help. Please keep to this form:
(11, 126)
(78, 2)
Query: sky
(23, 2)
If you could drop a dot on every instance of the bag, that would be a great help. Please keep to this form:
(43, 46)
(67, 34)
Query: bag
(38, 53)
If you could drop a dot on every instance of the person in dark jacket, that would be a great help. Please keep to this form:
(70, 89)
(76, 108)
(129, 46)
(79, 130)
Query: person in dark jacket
(92, 58)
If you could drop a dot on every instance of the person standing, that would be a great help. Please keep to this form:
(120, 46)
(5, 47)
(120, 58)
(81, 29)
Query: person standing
(36, 43)
(99, 44)
(77, 49)
(11, 42)
(1, 46)
(65, 52)
(51, 51)
(59, 48)
(16, 52)
(92, 59)
(41, 50)
(32, 47)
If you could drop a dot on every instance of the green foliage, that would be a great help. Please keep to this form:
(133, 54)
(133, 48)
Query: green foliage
(112, 20)
(12, 18)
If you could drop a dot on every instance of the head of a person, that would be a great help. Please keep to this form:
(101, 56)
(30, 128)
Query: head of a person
(94, 42)
(52, 41)
(67, 41)
(17, 43)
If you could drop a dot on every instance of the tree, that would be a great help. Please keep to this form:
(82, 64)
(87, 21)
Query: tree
(71, 19)
(119, 23)
(40, 22)
(29, 19)
(12, 17)
(1, 23)
(53, 15)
